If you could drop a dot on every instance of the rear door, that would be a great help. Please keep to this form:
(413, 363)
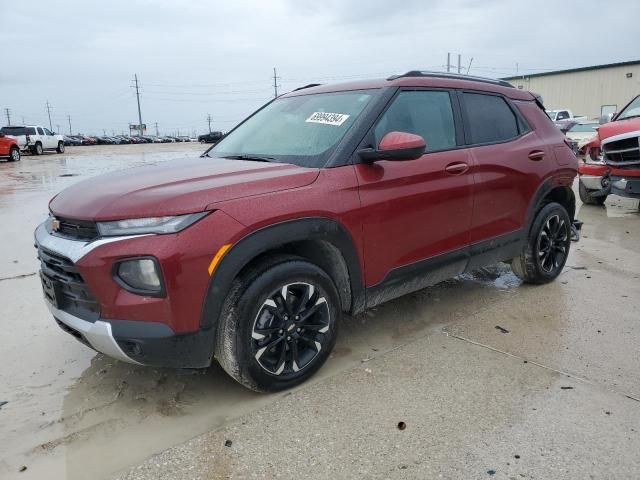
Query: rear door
(508, 156)
(414, 211)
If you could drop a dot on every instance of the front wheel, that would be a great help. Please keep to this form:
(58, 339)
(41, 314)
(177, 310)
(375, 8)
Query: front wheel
(547, 246)
(587, 197)
(60, 148)
(14, 154)
(278, 325)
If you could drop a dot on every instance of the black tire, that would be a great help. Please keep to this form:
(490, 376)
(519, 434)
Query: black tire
(14, 154)
(37, 149)
(587, 197)
(60, 148)
(547, 246)
(259, 342)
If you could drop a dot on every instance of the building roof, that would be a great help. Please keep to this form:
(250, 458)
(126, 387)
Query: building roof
(572, 70)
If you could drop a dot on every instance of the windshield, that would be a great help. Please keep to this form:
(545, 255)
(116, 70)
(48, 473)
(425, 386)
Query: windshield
(303, 130)
(631, 110)
(552, 114)
(584, 128)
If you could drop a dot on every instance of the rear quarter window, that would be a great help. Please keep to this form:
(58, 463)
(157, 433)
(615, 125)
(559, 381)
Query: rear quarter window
(489, 118)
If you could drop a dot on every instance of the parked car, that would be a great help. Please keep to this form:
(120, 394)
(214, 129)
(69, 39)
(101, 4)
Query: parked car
(184, 138)
(9, 148)
(612, 158)
(211, 137)
(86, 140)
(35, 138)
(563, 115)
(328, 200)
(71, 141)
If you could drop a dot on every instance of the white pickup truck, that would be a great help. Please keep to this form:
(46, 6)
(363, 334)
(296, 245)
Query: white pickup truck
(563, 115)
(35, 138)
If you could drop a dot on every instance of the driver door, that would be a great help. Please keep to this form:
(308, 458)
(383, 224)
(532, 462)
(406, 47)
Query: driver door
(416, 213)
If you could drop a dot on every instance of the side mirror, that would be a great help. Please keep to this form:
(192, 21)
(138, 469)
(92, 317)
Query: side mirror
(606, 118)
(396, 146)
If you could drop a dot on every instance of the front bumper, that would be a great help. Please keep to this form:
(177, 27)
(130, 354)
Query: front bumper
(94, 308)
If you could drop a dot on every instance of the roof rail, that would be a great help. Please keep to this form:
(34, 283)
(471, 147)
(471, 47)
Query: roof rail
(457, 76)
(306, 86)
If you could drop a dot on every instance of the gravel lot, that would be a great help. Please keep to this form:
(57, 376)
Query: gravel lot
(556, 396)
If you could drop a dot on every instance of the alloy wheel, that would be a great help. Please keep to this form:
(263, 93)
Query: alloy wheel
(15, 154)
(552, 243)
(290, 328)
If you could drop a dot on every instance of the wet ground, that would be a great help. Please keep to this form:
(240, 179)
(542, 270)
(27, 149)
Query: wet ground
(553, 393)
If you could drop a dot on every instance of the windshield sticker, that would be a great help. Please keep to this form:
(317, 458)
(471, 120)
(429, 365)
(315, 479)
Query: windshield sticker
(327, 118)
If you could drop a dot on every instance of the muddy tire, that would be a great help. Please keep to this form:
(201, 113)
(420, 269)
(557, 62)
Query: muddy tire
(547, 246)
(37, 149)
(278, 324)
(60, 148)
(14, 154)
(587, 197)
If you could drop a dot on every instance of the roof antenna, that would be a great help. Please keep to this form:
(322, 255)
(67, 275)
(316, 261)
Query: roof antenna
(469, 67)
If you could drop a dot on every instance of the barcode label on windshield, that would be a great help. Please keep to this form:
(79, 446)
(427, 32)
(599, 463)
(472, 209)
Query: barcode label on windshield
(327, 118)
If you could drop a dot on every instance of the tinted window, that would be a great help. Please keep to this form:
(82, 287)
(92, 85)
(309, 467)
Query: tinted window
(31, 131)
(40, 132)
(490, 118)
(47, 131)
(12, 130)
(425, 113)
(562, 116)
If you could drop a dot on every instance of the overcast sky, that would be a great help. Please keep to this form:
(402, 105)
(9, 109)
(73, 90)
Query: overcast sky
(198, 57)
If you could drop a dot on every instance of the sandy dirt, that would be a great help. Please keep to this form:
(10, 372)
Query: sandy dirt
(75, 414)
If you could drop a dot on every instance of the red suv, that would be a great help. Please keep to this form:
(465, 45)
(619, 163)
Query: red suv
(328, 200)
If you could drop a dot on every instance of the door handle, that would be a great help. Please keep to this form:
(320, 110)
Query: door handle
(536, 155)
(457, 168)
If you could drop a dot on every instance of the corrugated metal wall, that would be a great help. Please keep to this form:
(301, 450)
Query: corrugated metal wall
(586, 91)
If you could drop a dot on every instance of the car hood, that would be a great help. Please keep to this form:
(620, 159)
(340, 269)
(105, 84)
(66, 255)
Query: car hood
(620, 127)
(175, 188)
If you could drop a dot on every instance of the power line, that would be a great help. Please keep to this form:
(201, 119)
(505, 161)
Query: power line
(275, 82)
(49, 113)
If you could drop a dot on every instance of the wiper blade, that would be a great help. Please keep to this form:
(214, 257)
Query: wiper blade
(252, 158)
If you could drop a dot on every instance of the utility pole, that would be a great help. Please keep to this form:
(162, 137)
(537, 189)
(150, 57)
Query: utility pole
(69, 118)
(8, 112)
(448, 62)
(57, 128)
(275, 83)
(157, 134)
(135, 79)
(49, 113)
(209, 120)
(459, 60)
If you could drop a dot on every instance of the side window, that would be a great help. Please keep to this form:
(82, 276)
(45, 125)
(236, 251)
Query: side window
(562, 116)
(40, 131)
(31, 131)
(47, 131)
(490, 118)
(425, 113)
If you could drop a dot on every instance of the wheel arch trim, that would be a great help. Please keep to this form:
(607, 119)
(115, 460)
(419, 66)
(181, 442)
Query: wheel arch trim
(273, 237)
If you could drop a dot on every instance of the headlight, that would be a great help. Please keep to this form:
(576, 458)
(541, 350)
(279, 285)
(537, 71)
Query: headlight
(137, 226)
(140, 275)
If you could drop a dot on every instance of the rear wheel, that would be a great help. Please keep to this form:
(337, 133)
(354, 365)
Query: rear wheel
(278, 325)
(60, 148)
(14, 154)
(547, 247)
(37, 149)
(587, 197)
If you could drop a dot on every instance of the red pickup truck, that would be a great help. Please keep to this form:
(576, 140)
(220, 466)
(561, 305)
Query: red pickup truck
(328, 200)
(9, 148)
(612, 159)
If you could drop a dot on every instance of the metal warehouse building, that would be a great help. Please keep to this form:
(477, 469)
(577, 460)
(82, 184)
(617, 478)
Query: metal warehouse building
(589, 91)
